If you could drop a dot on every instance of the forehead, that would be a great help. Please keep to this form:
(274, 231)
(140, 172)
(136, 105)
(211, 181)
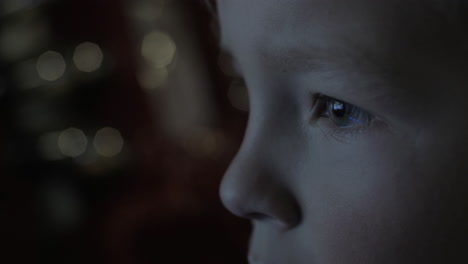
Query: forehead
(337, 29)
(259, 19)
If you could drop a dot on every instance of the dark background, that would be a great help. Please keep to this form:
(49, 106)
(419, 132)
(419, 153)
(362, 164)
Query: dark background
(144, 188)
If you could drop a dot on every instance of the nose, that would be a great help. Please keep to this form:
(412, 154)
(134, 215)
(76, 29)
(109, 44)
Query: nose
(251, 190)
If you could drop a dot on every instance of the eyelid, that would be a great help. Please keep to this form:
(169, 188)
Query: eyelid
(321, 110)
(324, 97)
(317, 102)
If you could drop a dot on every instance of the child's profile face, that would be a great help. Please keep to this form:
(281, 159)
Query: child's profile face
(356, 148)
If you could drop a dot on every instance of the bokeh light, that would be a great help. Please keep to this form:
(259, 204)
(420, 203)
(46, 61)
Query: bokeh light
(151, 79)
(88, 154)
(10, 6)
(48, 147)
(51, 66)
(88, 57)
(72, 142)
(158, 49)
(204, 142)
(108, 142)
(147, 11)
(19, 40)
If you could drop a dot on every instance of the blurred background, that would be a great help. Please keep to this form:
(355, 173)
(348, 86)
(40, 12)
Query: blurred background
(116, 126)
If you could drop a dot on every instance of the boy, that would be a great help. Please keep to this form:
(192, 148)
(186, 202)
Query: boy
(356, 149)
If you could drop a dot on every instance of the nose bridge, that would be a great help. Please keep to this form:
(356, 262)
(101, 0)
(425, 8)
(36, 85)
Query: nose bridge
(251, 187)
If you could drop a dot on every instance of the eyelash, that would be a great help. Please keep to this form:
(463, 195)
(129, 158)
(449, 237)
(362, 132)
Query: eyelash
(323, 110)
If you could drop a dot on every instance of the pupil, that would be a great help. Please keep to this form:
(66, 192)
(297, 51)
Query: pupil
(338, 109)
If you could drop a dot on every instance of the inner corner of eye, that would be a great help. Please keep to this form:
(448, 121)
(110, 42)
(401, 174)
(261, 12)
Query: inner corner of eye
(319, 104)
(317, 98)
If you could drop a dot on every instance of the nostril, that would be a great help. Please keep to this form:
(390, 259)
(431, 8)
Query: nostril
(282, 220)
(258, 201)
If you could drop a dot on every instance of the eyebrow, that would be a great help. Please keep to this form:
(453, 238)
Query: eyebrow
(301, 58)
(284, 60)
(294, 59)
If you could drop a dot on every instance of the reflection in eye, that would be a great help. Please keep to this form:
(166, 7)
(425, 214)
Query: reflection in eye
(344, 115)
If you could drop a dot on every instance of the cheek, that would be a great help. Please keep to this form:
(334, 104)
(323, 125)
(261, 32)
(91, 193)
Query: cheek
(375, 200)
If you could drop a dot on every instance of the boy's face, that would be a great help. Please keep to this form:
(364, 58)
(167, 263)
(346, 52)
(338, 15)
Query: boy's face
(356, 148)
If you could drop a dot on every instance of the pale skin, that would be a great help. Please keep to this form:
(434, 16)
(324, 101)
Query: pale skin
(356, 147)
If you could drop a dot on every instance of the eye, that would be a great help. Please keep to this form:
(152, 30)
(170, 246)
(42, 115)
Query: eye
(344, 115)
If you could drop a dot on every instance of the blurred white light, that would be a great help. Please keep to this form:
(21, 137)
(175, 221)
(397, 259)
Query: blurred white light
(72, 142)
(158, 49)
(147, 11)
(51, 66)
(48, 147)
(108, 142)
(204, 142)
(151, 79)
(88, 57)
(10, 6)
(22, 38)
